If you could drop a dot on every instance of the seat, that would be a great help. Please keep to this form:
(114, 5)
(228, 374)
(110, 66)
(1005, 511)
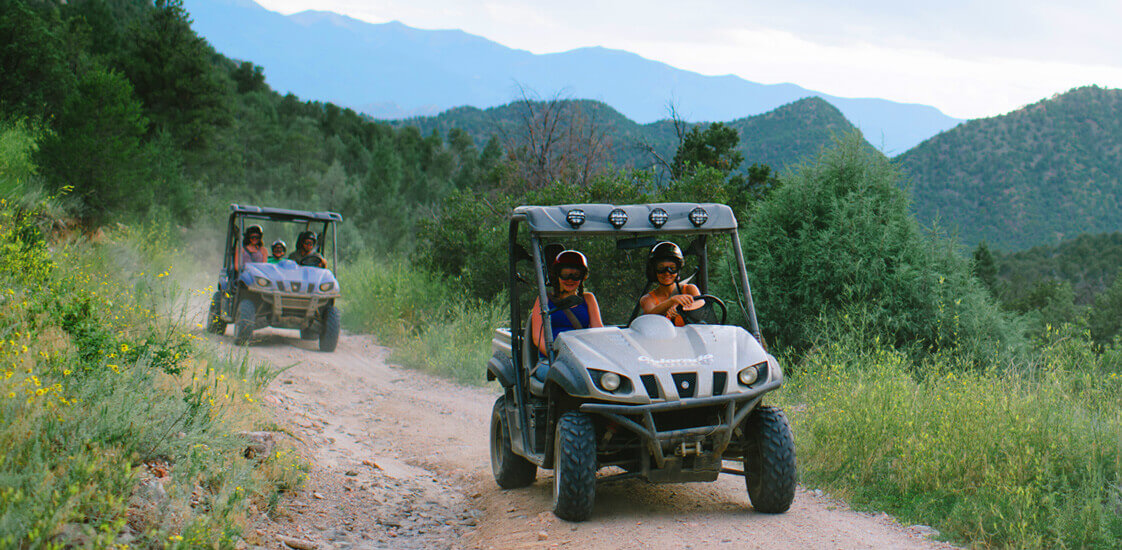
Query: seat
(540, 367)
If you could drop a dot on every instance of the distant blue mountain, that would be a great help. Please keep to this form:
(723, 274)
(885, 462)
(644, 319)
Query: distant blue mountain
(393, 71)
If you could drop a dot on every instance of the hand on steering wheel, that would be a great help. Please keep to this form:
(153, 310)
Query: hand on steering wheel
(696, 315)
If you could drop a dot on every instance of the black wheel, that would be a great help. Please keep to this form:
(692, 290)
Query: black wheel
(245, 322)
(329, 336)
(511, 471)
(574, 467)
(214, 322)
(308, 334)
(769, 460)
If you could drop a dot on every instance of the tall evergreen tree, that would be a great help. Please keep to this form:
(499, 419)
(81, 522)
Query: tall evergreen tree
(171, 69)
(98, 149)
(34, 79)
(985, 268)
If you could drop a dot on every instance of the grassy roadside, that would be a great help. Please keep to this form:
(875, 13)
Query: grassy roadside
(102, 385)
(1027, 456)
(429, 321)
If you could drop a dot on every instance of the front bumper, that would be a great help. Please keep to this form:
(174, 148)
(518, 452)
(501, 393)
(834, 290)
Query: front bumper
(293, 309)
(705, 443)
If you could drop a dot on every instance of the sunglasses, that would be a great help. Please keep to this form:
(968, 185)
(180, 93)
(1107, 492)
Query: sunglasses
(669, 269)
(570, 276)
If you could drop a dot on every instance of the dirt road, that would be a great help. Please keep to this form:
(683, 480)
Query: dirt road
(401, 461)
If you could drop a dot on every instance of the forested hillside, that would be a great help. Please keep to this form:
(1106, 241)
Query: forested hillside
(1089, 263)
(778, 139)
(1044, 173)
(135, 115)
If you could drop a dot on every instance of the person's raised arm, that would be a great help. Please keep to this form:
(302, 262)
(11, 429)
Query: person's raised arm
(537, 333)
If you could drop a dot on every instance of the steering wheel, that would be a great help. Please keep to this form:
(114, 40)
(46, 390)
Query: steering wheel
(702, 314)
(313, 260)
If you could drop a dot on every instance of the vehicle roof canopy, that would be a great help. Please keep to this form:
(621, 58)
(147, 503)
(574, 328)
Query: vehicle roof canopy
(282, 214)
(552, 220)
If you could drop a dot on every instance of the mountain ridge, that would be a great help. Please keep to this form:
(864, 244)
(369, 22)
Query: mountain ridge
(300, 55)
(1044, 173)
(779, 138)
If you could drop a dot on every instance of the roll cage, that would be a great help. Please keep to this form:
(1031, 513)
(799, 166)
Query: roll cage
(239, 213)
(638, 220)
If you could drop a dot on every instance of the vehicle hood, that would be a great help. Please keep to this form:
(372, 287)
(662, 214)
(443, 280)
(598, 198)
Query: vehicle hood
(653, 346)
(288, 276)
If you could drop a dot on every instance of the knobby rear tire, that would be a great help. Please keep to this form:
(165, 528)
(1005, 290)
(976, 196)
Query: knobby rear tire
(510, 470)
(214, 322)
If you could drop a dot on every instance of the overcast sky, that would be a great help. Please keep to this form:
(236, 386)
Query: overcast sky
(968, 58)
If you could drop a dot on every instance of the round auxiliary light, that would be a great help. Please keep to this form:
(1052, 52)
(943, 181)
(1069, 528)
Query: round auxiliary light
(324, 287)
(575, 217)
(261, 281)
(748, 376)
(658, 217)
(610, 381)
(617, 218)
(698, 216)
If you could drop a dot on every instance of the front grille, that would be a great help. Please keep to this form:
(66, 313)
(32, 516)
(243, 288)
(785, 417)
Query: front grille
(686, 382)
(651, 383)
(719, 381)
(686, 418)
(294, 286)
(289, 302)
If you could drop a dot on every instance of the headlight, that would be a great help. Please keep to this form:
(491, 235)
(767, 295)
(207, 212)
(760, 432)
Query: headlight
(658, 217)
(698, 216)
(610, 381)
(324, 287)
(575, 217)
(261, 281)
(617, 218)
(748, 376)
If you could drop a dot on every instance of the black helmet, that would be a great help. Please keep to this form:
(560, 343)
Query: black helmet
(306, 235)
(278, 242)
(663, 251)
(570, 259)
(250, 231)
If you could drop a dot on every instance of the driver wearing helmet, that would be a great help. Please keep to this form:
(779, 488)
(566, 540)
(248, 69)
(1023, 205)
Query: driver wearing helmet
(251, 251)
(568, 272)
(305, 253)
(670, 296)
(278, 249)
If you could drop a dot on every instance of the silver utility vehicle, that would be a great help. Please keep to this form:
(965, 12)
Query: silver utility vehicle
(645, 398)
(286, 294)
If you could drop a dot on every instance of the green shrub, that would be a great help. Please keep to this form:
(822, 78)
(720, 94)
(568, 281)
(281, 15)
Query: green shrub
(99, 384)
(838, 234)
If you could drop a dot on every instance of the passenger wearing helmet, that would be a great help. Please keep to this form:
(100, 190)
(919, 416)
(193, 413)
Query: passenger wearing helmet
(670, 296)
(305, 253)
(568, 272)
(251, 251)
(278, 249)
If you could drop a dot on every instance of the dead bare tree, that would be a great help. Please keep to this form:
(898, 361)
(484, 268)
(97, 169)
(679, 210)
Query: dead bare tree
(681, 128)
(555, 140)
